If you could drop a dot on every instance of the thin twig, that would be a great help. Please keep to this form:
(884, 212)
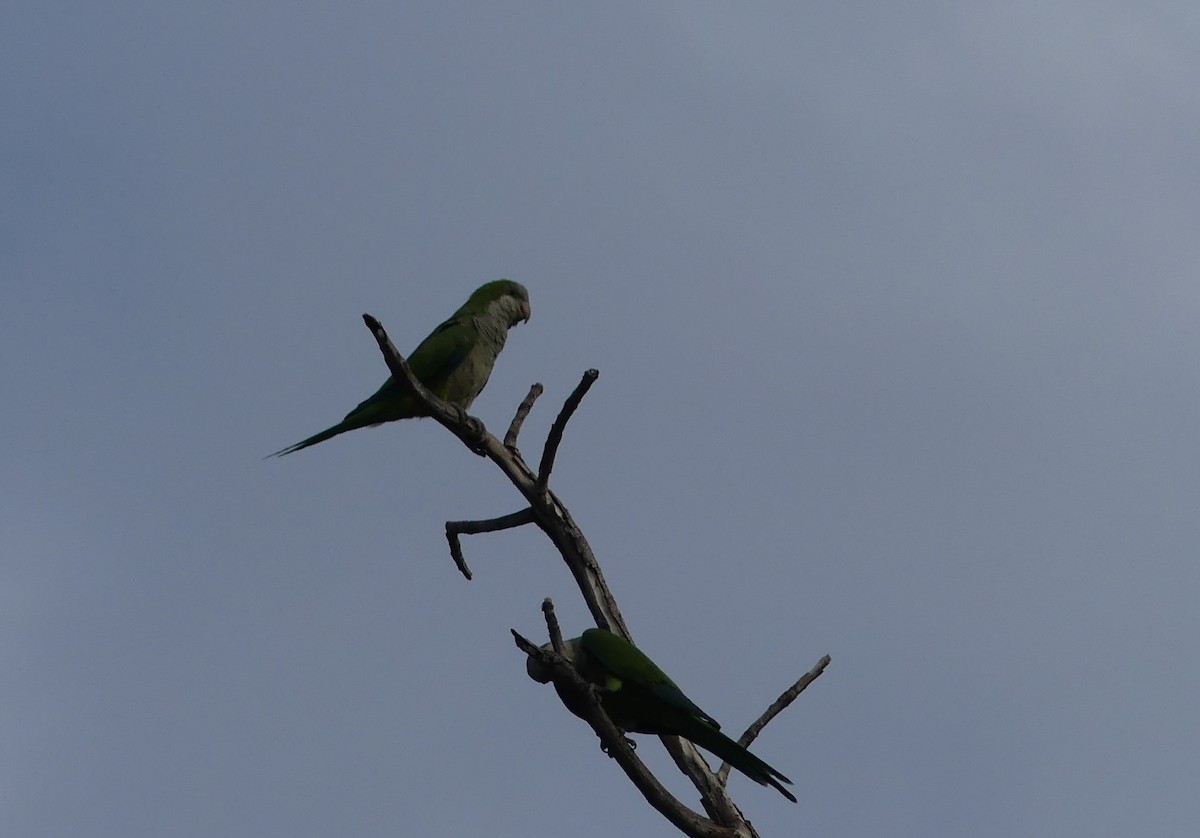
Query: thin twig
(556, 638)
(456, 553)
(780, 704)
(510, 438)
(560, 424)
(504, 522)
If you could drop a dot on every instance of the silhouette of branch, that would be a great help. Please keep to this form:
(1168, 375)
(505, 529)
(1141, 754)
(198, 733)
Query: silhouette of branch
(504, 522)
(778, 706)
(560, 425)
(556, 638)
(510, 438)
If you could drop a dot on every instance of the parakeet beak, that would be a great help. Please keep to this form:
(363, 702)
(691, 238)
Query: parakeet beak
(525, 310)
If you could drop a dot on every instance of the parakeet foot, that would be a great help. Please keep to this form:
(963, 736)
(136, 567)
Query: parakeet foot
(632, 746)
(475, 434)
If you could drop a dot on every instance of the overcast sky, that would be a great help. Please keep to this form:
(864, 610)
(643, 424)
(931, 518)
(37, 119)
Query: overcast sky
(895, 310)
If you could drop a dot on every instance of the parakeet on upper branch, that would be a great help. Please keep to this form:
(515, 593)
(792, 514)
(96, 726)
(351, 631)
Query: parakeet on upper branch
(454, 362)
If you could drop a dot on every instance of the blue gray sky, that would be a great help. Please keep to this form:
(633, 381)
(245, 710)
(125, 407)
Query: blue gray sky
(895, 311)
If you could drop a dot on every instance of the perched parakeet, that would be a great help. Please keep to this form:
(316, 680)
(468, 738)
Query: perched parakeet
(454, 362)
(640, 698)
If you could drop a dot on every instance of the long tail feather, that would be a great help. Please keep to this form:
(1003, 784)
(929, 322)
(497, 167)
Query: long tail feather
(737, 756)
(328, 433)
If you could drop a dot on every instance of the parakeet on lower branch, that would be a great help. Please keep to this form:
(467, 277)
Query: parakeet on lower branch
(454, 362)
(640, 698)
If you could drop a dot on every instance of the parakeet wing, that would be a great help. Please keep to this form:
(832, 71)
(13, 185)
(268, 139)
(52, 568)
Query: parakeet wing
(440, 354)
(628, 663)
(432, 363)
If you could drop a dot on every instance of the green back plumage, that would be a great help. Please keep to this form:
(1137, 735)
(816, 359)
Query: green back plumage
(627, 664)
(432, 362)
(640, 698)
(454, 362)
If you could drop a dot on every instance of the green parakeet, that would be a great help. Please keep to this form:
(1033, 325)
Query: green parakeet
(454, 362)
(640, 698)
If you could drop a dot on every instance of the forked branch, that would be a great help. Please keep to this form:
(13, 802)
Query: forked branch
(552, 517)
(456, 528)
(510, 438)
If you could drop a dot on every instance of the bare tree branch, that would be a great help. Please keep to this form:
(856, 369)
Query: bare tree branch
(456, 553)
(549, 513)
(510, 438)
(556, 638)
(553, 518)
(504, 522)
(560, 425)
(778, 706)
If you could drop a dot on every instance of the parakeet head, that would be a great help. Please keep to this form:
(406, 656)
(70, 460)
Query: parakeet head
(503, 297)
(543, 674)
